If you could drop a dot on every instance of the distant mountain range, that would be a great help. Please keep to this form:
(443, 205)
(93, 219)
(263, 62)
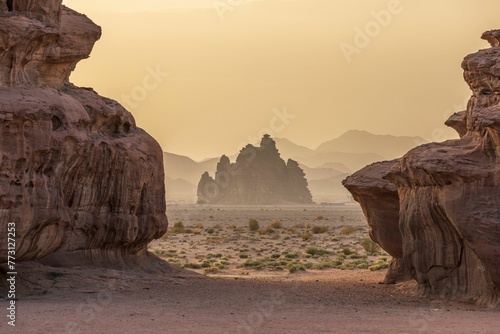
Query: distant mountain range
(356, 141)
(325, 167)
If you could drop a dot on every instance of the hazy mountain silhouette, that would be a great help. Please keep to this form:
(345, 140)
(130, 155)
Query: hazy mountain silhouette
(182, 167)
(337, 166)
(180, 189)
(324, 167)
(324, 190)
(357, 141)
(258, 176)
(353, 161)
(320, 173)
(289, 150)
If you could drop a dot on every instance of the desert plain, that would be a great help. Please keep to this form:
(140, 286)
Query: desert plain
(305, 269)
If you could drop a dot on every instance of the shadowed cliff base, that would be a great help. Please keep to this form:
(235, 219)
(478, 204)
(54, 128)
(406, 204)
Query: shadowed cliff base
(436, 210)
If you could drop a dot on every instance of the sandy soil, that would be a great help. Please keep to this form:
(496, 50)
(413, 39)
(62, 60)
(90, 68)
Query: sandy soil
(219, 241)
(93, 300)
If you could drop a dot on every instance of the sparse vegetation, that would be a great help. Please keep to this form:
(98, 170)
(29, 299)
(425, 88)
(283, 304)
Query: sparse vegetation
(319, 229)
(253, 225)
(178, 227)
(277, 225)
(291, 245)
(266, 230)
(348, 230)
(346, 251)
(370, 246)
(306, 236)
(316, 251)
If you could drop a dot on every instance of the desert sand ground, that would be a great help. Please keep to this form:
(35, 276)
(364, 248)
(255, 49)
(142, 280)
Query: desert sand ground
(243, 282)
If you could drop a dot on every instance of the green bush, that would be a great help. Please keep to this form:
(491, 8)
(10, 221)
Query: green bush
(316, 251)
(379, 266)
(319, 229)
(292, 255)
(347, 251)
(370, 246)
(253, 225)
(192, 265)
(179, 227)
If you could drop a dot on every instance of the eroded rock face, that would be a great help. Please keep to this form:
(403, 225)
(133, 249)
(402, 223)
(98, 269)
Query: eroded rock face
(77, 176)
(449, 196)
(380, 203)
(258, 177)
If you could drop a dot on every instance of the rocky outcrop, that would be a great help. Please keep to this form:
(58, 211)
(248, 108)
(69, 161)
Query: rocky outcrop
(259, 176)
(379, 201)
(77, 176)
(449, 196)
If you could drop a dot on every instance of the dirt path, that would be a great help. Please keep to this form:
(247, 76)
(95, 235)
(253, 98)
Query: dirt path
(332, 301)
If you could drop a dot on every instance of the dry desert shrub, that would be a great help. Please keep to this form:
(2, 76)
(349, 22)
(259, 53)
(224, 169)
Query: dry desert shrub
(253, 225)
(348, 230)
(276, 225)
(266, 230)
(316, 251)
(370, 246)
(319, 229)
(306, 236)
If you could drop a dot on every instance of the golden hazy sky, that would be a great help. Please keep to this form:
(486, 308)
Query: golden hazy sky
(206, 76)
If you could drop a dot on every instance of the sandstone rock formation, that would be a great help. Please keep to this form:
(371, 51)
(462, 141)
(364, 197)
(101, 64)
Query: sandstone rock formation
(448, 196)
(259, 176)
(77, 176)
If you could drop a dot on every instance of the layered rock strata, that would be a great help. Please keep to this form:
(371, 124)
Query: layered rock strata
(77, 177)
(448, 196)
